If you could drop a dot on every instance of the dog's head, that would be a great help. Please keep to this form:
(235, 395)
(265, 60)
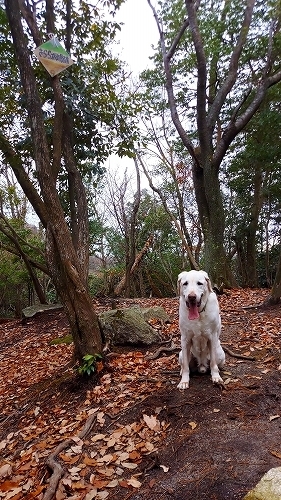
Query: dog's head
(194, 288)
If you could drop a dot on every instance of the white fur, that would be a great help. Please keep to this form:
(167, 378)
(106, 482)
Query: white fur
(199, 336)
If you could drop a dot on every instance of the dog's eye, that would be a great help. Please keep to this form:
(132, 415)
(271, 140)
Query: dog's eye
(199, 283)
(185, 284)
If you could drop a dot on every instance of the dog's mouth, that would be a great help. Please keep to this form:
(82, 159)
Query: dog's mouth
(193, 308)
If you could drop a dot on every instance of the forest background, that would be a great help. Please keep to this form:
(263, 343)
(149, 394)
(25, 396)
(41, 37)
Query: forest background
(202, 126)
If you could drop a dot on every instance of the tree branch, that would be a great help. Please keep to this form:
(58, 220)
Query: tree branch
(169, 85)
(232, 69)
(28, 188)
(172, 217)
(233, 128)
(203, 134)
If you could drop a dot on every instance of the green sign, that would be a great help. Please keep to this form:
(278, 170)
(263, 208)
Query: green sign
(53, 56)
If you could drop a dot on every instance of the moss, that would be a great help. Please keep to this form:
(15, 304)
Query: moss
(62, 340)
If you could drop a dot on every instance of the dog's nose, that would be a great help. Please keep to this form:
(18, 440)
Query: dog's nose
(192, 297)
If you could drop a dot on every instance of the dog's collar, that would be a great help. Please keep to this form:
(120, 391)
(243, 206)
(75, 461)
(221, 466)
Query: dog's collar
(202, 310)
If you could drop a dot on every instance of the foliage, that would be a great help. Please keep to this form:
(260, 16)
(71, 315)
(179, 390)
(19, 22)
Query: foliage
(216, 65)
(89, 365)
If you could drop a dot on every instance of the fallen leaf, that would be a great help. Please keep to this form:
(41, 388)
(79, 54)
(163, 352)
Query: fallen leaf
(113, 483)
(152, 483)
(149, 446)
(89, 461)
(273, 417)
(152, 422)
(92, 494)
(129, 465)
(123, 483)
(8, 485)
(193, 425)
(99, 483)
(5, 470)
(3, 444)
(111, 442)
(100, 418)
(102, 495)
(36, 411)
(165, 469)
(76, 449)
(106, 458)
(97, 437)
(216, 410)
(134, 482)
(276, 454)
(74, 470)
(13, 493)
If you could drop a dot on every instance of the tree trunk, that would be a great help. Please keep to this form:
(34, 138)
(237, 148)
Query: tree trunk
(211, 214)
(66, 257)
(275, 295)
(122, 283)
(75, 297)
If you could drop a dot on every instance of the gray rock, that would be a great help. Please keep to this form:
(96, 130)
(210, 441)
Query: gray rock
(156, 312)
(269, 487)
(31, 311)
(127, 326)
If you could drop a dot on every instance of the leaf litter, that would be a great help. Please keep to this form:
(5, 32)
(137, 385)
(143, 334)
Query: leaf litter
(140, 424)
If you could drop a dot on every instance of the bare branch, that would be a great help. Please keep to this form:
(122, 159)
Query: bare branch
(172, 217)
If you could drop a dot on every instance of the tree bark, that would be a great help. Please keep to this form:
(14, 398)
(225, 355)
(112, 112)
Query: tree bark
(275, 295)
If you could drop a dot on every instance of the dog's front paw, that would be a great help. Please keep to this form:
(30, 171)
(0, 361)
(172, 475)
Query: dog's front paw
(183, 385)
(217, 380)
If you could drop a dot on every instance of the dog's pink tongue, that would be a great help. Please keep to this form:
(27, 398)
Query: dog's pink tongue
(193, 312)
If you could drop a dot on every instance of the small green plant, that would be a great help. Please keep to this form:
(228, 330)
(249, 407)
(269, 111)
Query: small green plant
(88, 366)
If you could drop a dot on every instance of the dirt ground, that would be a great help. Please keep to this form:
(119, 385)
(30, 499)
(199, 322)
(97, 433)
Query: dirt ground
(146, 440)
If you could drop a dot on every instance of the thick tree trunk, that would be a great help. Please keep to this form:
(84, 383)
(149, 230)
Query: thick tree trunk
(211, 213)
(275, 295)
(74, 295)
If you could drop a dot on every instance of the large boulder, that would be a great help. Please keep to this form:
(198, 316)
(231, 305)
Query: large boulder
(129, 326)
(269, 487)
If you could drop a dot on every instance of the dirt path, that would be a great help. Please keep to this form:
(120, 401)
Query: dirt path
(148, 440)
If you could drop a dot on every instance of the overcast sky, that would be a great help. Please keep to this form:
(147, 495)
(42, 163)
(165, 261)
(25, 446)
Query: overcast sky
(138, 33)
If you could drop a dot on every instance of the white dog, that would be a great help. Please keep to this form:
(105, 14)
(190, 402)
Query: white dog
(200, 326)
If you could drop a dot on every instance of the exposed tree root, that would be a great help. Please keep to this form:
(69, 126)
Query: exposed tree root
(173, 348)
(55, 466)
(161, 349)
(239, 356)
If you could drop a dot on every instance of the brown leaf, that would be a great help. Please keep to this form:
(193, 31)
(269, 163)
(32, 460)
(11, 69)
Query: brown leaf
(99, 483)
(152, 422)
(152, 483)
(69, 459)
(123, 483)
(276, 454)
(134, 482)
(8, 485)
(89, 461)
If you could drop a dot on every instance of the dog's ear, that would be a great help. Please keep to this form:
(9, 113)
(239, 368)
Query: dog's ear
(179, 282)
(209, 284)
(208, 281)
